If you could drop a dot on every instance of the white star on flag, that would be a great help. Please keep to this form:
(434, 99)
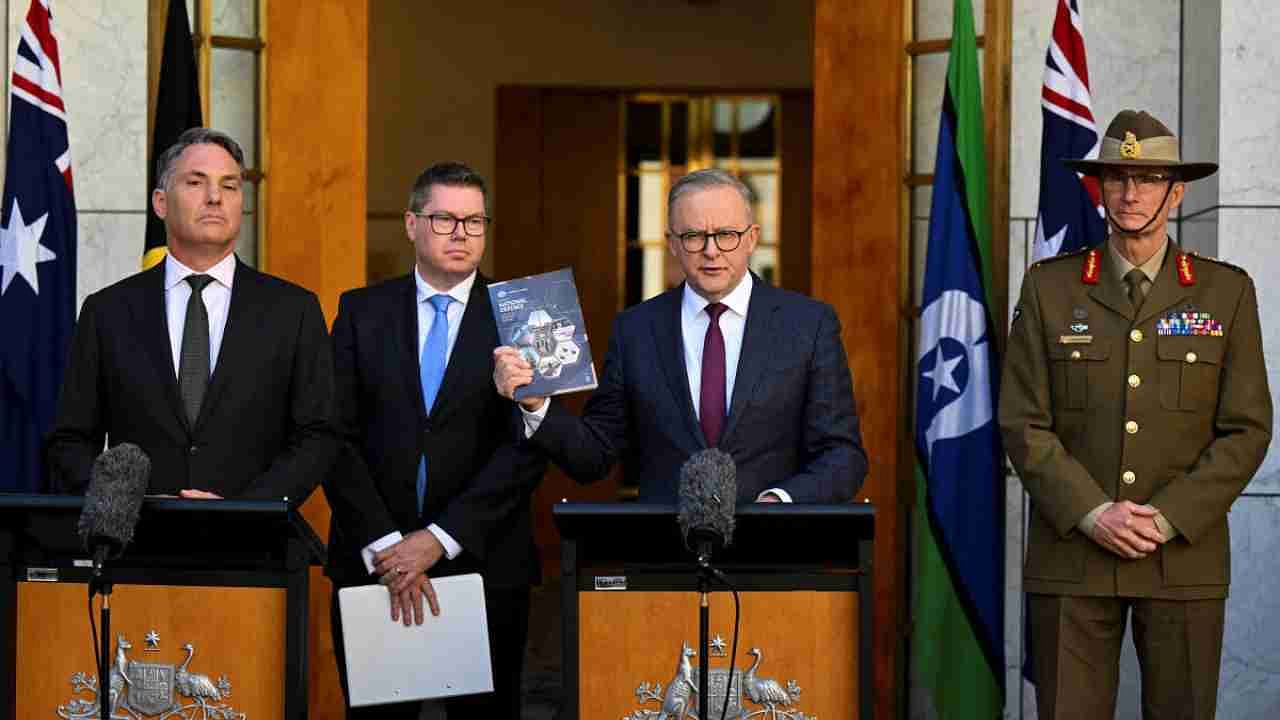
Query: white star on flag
(1045, 247)
(943, 373)
(20, 250)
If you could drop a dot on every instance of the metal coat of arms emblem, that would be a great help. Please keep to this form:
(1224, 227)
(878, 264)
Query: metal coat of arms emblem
(151, 687)
(147, 690)
(679, 700)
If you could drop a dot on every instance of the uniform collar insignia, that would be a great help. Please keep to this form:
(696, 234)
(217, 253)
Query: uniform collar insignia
(1186, 271)
(1092, 267)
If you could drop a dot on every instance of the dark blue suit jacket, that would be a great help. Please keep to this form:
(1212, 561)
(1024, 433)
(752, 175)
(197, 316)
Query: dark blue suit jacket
(792, 422)
(480, 479)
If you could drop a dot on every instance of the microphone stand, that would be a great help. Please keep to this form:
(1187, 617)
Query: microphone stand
(705, 571)
(99, 584)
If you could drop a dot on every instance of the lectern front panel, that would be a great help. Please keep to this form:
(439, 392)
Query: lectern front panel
(805, 659)
(236, 657)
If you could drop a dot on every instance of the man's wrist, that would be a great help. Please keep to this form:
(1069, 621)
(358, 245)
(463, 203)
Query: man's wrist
(377, 546)
(779, 493)
(451, 547)
(1166, 528)
(1089, 521)
(533, 419)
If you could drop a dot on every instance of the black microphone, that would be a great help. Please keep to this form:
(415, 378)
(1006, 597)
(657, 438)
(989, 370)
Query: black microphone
(708, 495)
(117, 482)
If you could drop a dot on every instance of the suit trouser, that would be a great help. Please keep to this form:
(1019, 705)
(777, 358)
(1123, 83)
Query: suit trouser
(1075, 655)
(507, 610)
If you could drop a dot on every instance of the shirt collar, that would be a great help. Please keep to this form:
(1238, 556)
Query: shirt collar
(737, 300)
(1150, 268)
(175, 272)
(460, 292)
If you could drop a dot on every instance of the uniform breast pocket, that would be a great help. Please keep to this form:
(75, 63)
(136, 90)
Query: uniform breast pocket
(1077, 371)
(1190, 366)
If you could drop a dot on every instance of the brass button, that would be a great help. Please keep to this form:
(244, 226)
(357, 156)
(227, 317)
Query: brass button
(1134, 380)
(1135, 335)
(1131, 427)
(1075, 355)
(1191, 358)
(1129, 478)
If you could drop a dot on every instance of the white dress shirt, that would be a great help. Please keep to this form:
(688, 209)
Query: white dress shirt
(217, 300)
(694, 322)
(460, 293)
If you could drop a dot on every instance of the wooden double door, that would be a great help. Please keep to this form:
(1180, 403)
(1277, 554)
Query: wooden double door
(561, 198)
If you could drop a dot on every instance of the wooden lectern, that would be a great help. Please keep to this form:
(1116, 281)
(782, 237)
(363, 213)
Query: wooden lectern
(209, 611)
(630, 610)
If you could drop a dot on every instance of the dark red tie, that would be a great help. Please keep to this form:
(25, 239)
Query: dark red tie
(711, 403)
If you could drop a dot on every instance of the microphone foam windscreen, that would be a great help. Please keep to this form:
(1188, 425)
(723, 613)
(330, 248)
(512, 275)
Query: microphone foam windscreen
(708, 493)
(117, 483)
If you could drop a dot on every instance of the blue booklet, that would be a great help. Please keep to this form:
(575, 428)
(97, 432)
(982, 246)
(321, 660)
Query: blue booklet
(540, 316)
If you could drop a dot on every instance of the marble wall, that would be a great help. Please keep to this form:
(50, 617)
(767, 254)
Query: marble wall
(1206, 68)
(103, 49)
(1238, 122)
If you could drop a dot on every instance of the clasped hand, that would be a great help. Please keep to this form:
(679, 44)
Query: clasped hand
(402, 568)
(1128, 530)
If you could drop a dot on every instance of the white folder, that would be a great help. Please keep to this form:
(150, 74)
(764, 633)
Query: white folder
(446, 655)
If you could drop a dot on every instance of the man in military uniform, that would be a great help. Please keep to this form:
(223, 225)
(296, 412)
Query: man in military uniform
(1134, 406)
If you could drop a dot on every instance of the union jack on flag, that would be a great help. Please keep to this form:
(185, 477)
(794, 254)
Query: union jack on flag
(37, 253)
(1071, 215)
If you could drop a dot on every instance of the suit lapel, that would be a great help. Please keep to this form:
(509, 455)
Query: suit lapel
(669, 341)
(1166, 291)
(408, 342)
(755, 353)
(474, 333)
(237, 337)
(150, 309)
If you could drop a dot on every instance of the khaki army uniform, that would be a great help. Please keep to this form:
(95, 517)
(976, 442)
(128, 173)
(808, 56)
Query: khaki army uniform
(1113, 392)
(1168, 406)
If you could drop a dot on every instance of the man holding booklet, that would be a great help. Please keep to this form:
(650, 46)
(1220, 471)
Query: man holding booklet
(724, 360)
(434, 479)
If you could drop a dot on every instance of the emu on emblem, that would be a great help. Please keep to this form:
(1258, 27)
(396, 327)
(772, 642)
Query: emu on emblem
(141, 691)
(680, 700)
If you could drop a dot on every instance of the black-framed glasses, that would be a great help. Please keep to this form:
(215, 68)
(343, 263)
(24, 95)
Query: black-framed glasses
(445, 224)
(726, 239)
(1116, 180)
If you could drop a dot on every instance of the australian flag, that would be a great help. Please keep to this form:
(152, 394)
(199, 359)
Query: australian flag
(1070, 205)
(37, 254)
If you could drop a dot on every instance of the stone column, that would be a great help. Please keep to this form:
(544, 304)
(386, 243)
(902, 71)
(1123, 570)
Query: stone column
(1231, 113)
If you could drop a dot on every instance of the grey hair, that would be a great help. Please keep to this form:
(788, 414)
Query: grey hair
(194, 136)
(705, 180)
(451, 174)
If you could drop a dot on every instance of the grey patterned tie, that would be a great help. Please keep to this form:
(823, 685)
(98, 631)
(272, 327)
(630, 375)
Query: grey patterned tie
(1134, 279)
(193, 361)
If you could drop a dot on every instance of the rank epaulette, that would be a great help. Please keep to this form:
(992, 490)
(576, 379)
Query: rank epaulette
(1217, 261)
(1063, 256)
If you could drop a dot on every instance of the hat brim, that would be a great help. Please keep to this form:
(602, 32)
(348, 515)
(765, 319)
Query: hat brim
(1187, 172)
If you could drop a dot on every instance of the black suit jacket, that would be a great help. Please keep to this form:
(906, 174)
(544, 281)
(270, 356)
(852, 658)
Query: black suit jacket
(792, 422)
(479, 478)
(264, 427)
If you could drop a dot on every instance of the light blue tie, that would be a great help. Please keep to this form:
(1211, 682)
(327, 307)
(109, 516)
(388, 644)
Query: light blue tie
(431, 372)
